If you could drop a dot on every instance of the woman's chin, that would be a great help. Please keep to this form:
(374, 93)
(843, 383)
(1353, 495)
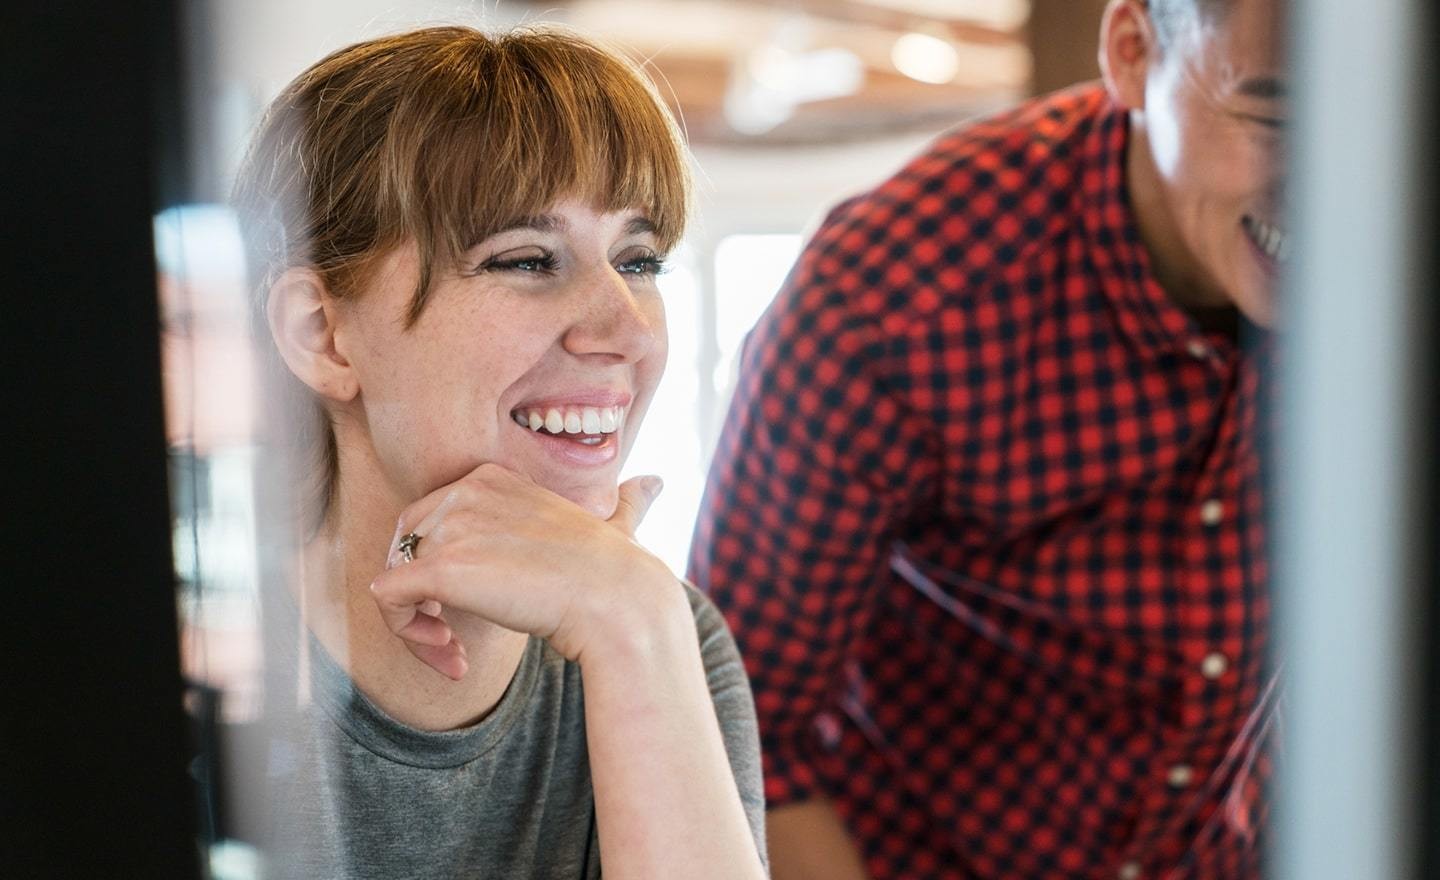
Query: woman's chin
(598, 500)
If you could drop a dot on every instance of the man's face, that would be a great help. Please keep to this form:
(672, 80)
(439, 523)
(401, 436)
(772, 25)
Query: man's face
(1215, 114)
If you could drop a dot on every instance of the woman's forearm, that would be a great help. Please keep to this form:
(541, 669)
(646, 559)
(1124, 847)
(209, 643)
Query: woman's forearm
(665, 795)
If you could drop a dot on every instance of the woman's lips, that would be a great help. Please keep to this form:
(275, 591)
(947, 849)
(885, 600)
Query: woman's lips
(578, 449)
(579, 428)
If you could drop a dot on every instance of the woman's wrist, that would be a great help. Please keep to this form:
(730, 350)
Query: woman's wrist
(644, 615)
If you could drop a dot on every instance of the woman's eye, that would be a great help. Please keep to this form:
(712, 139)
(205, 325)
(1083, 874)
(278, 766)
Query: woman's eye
(646, 264)
(529, 263)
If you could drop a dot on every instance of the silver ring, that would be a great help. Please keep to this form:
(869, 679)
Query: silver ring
(407, 546)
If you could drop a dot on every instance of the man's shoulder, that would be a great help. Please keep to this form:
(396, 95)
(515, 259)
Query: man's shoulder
(1032, 151)
(959, 225)
(984, 197)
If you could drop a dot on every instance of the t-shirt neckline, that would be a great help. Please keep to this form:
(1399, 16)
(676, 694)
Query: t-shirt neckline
(374, 730)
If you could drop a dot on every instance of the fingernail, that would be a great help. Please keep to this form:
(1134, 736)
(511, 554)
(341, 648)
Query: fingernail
(653, 485)
(392, 558)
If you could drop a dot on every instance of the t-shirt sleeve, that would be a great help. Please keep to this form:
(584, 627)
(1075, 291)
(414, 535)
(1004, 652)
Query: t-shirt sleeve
(819, 463)
(735, 709)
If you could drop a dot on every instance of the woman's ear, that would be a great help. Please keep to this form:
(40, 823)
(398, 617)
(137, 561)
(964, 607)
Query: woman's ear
(1128, 48)
(302, 321)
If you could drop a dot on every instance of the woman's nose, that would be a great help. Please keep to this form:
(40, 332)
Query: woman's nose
(612, 321)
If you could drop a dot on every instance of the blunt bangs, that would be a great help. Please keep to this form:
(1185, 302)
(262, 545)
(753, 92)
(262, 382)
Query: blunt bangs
(498, 131)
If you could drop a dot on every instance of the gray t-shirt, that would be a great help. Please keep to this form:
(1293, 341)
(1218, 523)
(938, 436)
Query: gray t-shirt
(356, 794)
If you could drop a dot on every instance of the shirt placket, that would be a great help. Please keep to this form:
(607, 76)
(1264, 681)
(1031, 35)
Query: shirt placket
(1211, 643)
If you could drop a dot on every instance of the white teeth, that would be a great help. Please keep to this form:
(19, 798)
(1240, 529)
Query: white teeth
(1271, 239)
(589, 420)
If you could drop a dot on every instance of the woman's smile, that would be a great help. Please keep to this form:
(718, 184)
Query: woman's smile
(581, 429)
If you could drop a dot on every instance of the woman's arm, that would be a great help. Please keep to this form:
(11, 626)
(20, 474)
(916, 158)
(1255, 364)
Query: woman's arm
(665, 788)
(497, 545)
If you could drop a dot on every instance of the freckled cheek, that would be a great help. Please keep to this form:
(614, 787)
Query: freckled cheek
(660, 352)
(648, 374)
(652, 368)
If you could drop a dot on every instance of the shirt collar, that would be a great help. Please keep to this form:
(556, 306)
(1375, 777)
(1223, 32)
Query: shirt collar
(1147, 315)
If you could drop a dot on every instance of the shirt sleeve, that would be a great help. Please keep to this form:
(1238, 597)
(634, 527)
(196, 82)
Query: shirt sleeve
(818, 465)
(734, 709)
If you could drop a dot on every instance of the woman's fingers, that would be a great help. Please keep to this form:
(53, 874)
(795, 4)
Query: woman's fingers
(636, 496)
(427, 514)
(449, 659)
(428, 637)
(426, 629)
(490, 532)
(401, 593)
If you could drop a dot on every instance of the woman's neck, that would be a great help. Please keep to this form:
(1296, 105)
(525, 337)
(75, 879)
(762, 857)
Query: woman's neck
(337, 568)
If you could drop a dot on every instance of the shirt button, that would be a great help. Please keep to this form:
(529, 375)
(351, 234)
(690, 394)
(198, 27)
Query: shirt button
(827, 727)
(1214, 665)
(1128, 871)
(1198, 349)
(1212, 512)
(1180, 776)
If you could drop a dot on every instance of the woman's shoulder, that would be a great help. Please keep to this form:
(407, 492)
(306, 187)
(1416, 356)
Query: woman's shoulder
(724, 668)
(710, 627)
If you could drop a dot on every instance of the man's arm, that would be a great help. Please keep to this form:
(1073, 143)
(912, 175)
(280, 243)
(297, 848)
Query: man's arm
(809, 842)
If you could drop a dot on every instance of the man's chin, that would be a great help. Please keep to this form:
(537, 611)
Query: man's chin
(1259, 303)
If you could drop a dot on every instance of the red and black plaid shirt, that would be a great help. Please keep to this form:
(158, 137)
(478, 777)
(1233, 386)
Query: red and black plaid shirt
(986, 519)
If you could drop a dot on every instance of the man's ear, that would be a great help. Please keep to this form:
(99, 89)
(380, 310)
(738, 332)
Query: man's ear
(1128, 48)
(302, 321)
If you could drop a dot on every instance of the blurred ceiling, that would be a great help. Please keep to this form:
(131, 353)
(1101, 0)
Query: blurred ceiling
(741, 73)
(789, 72)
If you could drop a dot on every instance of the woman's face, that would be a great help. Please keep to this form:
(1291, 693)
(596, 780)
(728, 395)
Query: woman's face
(540, 352)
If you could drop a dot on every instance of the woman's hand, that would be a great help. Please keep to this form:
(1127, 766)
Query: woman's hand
(497, 545)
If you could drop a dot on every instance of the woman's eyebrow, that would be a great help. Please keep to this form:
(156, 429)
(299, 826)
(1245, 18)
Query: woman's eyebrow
(539, 223)
(638, 225)
(555, 223)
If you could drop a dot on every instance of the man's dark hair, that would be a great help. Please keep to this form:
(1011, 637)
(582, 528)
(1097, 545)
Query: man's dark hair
(1171, 16)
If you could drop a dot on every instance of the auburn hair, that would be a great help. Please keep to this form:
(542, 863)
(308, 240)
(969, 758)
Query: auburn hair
(442, 137)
